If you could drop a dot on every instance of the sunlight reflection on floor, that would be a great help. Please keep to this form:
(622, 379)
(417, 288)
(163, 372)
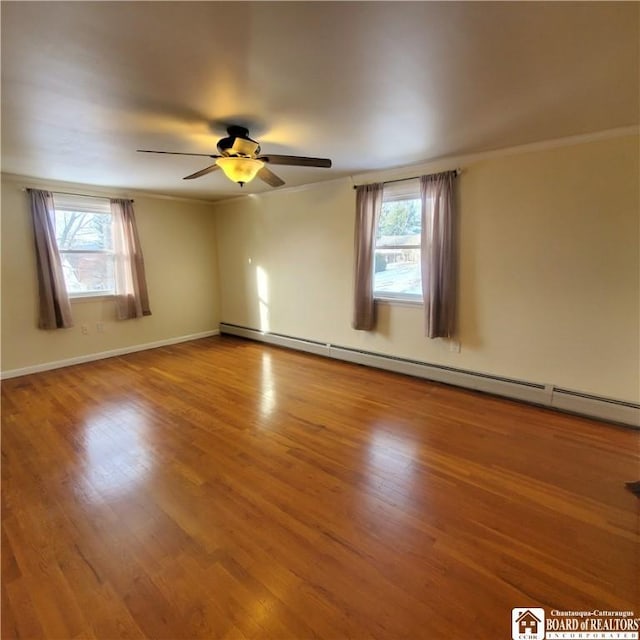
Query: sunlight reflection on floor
(268, 398)
(391, 466)
(118, 452)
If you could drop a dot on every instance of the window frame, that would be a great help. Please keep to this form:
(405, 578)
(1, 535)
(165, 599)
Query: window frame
(397, 192)
(72, 203)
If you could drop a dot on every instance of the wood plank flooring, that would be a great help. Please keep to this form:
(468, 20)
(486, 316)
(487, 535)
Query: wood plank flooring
(228, 489)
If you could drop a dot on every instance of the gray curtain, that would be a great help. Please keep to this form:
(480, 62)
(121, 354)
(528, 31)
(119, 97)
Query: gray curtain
(368, 205)
(132, 297)
(54, 307)
(438, 254)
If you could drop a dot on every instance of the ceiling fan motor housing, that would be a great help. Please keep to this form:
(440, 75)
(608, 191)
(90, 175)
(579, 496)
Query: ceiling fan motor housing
(238, 143)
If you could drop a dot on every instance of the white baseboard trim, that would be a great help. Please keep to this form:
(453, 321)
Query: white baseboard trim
(90, 357)
(547, 395)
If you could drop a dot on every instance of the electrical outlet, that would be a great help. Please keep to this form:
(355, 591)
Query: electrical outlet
(100, 327)
(454, 346)
(85, 329)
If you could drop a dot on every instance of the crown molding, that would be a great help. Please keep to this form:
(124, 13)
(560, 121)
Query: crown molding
(455, 161)
(27, 182)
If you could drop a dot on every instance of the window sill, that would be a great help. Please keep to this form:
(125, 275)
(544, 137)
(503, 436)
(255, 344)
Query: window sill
(96, 298)
(398, 302)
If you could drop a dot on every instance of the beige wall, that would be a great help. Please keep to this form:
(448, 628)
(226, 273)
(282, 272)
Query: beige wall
(178, 241)
(549, 269)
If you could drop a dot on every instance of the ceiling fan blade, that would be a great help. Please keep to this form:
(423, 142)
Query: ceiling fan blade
(178, 153)
(244, 147)
(266, 175)
(202, 172)
(297, 161)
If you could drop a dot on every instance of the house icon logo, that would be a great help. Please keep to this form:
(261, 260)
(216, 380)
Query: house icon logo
(527, 624)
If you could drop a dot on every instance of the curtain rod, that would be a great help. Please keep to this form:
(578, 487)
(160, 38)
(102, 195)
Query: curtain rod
(81, 195)
(456, 171)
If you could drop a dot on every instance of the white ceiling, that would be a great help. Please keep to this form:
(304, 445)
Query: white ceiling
(371, 85)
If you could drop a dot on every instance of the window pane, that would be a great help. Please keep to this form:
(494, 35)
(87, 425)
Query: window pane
(78, 230)
(399, 223)
(397, 271)
(88, 272)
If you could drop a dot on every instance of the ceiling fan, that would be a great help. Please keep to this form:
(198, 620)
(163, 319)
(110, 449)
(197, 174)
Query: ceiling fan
(241, 161)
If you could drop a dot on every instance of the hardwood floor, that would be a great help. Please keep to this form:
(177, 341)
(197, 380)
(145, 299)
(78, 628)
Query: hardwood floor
(227, 489)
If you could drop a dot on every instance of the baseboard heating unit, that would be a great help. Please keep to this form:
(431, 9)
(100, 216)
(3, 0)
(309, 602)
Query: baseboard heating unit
(548, 395)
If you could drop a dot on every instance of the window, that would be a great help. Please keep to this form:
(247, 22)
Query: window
(396, 269)
(84, 234)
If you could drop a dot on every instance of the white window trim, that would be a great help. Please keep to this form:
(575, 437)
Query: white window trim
(91, 297)
(399, 246)
(403, 301)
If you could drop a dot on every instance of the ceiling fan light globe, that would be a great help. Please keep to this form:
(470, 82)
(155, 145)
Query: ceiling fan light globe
(240, 170)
